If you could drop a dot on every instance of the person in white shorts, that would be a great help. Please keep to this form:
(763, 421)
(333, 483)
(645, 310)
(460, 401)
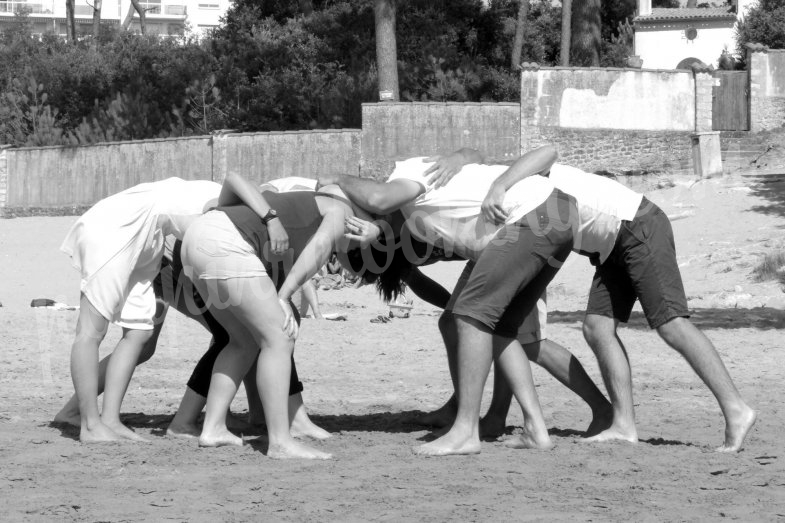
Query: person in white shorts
(117, 247)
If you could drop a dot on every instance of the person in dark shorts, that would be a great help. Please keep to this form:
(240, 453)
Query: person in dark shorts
(630, 241)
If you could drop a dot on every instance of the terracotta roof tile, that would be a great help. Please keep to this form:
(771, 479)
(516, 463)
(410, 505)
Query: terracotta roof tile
(687, 13)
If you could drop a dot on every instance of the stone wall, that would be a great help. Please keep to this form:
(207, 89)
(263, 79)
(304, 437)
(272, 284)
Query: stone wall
(617, 151)
(395, 131)
(3, 177)
(767, 88)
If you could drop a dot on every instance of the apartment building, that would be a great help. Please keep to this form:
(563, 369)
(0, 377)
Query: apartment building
(163, 17)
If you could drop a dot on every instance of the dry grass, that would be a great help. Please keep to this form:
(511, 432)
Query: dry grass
(771, 267)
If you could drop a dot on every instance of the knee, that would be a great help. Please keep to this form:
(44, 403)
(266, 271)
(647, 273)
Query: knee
(598, 330)
(674, 331)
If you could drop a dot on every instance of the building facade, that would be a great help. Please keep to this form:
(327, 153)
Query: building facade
(163, 17)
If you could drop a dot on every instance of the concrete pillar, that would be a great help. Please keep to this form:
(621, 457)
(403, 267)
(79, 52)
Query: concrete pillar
(758, 67)
(220, 160)
(530, 95)
(706, 154)
(644, 7)
(704, 82)
(3, 177)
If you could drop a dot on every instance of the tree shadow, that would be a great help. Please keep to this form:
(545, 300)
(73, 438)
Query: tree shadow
(770, 187)
(762, 318)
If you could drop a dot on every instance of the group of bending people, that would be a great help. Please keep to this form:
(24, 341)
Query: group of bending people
(233, 256)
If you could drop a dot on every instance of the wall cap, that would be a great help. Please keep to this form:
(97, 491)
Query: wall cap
(387, 104)
(635, 69)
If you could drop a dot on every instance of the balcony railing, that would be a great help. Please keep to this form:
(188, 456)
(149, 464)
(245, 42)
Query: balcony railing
(155, 8)
(11, 6)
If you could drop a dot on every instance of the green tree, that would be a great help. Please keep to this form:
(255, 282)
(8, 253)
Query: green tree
(764, 24)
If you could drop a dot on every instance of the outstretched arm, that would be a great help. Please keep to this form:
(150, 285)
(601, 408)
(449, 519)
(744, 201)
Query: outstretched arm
(538, 161)
(426, 289)
(237, 190)
(373, 196)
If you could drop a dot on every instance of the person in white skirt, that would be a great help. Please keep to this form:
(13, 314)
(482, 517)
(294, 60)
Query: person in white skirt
(117, 247)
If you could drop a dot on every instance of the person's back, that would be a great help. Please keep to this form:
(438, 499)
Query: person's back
(602, 205)
(450, 217)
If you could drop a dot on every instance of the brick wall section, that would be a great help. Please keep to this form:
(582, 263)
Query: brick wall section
(704, 82)
(615, 151)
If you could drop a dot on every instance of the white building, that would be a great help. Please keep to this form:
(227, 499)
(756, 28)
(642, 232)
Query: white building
(163, 17)
(669, 37)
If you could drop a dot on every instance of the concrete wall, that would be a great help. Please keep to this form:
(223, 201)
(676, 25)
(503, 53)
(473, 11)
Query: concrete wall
(51, 179)
(77, 176)
(267, 156)
(767, 89)
(616, 120)
(594, 98)
(663, 45)
(394, 131)
(3, 175)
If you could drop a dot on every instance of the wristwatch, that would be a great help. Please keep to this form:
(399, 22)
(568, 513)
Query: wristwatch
(271, 215)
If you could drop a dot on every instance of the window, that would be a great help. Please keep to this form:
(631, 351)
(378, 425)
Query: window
(209, 6)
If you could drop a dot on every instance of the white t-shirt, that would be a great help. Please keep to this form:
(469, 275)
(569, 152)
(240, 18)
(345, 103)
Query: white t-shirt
(450, 217)
(602, 205)
(292, 183)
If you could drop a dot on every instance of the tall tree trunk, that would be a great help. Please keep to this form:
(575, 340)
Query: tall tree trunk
(136, 6)
(96, 21)
(70, 20)
(586, 33)
(520, 29)
(306, 6)
(386, 52)
(566, 32)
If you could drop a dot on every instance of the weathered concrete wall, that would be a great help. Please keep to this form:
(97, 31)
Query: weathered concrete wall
(594, 98)
(68, 179)
(617, 151)
(267, 156)
(3, 176)
(75, 176)
(394, 131)
(767, 89)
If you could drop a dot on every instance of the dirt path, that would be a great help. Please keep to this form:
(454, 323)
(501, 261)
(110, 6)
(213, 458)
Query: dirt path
(364, 381)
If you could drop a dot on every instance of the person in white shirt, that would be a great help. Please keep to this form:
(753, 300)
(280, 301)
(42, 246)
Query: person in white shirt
(449, 218)
(630, 241)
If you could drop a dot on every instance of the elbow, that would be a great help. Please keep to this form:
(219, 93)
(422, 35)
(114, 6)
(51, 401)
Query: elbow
(378, 203)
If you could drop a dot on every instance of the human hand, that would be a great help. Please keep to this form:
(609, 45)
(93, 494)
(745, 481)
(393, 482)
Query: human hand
(492, 206)
(290, 326)
(361, 230)
(327, 179)
(279, 239)
(443, 168)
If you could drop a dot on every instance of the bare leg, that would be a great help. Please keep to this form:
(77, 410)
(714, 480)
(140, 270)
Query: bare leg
(184, 424)
(475, 353)
(118, 375)
(308, 296)
(90, 331)
(257, 313)
(514, 364)
(255, 408)
(70, 412)
(600, 333)
(566, 368)
(700, 353)
(444, 415)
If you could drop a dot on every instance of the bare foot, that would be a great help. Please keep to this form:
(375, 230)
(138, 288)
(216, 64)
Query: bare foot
(736, 430)
(99, 433)
(68, 417)
(492, 427)
(614, 433)
(601, 420)
(295, 450)
(186, 431)
(441, 417)
(303, 427)
(219, 438)
(527, 440)
(124, 432)
(452, 443)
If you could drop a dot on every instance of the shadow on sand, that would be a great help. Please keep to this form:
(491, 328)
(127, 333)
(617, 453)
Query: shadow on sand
(771, 187)
(763, 318)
